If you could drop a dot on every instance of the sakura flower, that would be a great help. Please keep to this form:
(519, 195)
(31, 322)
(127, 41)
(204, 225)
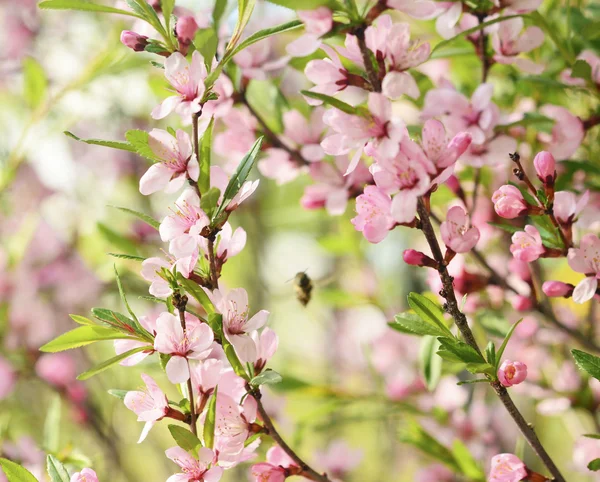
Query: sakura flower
(512, 373)
(206, 376)
(201, 469)
(123, 346)
(259, 59)
(150, 405)
(374, 218)
(191, 343)
(567, 207)
(508, 42)
(567, 133)
(507, 468)
(456, 233)
(266, 345)
(339, 459)
(159, 287)
(277, 467)
(586, 260)
(437, 472)
(57, 369)
(527, 245)
(8, 378)
(377, 132)
(585, 450)
(509, 202)
(316, 24)
(232, 424)
(177, 162)
(188, 81)
(277, 164)
(236, 324)
(86, 475)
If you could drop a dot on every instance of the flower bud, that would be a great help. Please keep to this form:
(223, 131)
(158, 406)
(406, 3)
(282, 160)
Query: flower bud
(186, 29)
(521, 303)
(134, 41)
(556, 289)
(512, 373)
(509, 202)
(416, 258)
(545, 167)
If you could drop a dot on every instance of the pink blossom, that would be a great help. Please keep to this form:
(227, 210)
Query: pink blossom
(586, 260)
(374, 218)
(421, 9)
(57, 369)
(159, 287)
(8, 378)
(507, 468)
(177, 162)
(232, 425)
(150, 405)
(237, 138)
(339, 459)
(201, 469)
(266, 345)
(134, 41)
(413, 257)
(86, 475)
(567, 207)
(556, 289)
(509, 42)
(191, 343)
(456, 232)
(584, 451)
(229, 243)
(567, 133)
(236, 324)
(545, 167)
(206, 376)
(512, 373)
(518, 6)
(277, 164)
(436, 472)
(259, 60)
(376, 132)
(527, 245)
(306, 133)
(186, 29)
(316, 24)
(275, 469)
(188, 81)
(509, 202)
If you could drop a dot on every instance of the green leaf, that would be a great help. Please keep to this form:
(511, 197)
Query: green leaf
(197, 293)
(120, 394)
(554, 33)
(16, 473)
(233, 359)
(245, 8)
(268, 377)
(116, 320)
(52, 425)
(429, 311)
(208, 433)
(594, 465)
(185, 439)
(205, 158)
(56, 470)
(144, 217)
(209, 201)
(532, 119)
(490, 353)
(587, 362)
(303, 4)
(413, 324)
(110, 362)
(127, 256)
(115, 238)
(239, 177)
(460, 351)
(332, 101)
(82, 320)
(505, 342)
(36, 82)
(167, 7)
(124, 298)
(430, 365)
(139, 141)
(466, 463)
(416, 436)
(83, 5)
(548, 232)
(206, 42)
(217, 13)
(124, 146)
(267, 32)
(84, 335)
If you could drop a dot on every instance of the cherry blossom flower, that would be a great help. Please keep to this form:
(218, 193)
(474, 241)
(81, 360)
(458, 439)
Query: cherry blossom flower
(317, 23)
(150, 405)
(266, 345)
(277, 164)
(188, 81)
(507, 468)
(232, 424)
(512, 373)
(192, 343)
(86, 475)
(177, 162)
(585, 450)
(276, 468)
(509, 42)
(159, 287)
(567, 133)
(421, 9)
(586, 260)
(374, 218)
(206, 376)
(306, 133)
(237, 138)
(567, 207)
(201, 469)
(509, 202)
(259, 60)
(229, 243)
(527, 245)
(236, 324)
(456, 232)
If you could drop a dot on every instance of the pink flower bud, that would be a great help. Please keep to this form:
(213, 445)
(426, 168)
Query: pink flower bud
(507, 468)
(556, 289)
(134, 41)
(521, 303)
(545, 167)
(509, 202)
(512, 373)
(186, 29)
(415, 258)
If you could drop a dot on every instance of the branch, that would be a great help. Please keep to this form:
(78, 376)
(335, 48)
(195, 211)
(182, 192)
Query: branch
(195, 141)
(366, 57)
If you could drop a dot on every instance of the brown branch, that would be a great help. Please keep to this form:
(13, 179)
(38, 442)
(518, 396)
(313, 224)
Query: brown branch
(214, 274)
(195, 141)
(366, 57)
(460, 320)
(481, 48)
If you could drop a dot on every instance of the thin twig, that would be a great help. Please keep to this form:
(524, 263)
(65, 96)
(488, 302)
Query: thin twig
(195, 140)
(366, 57)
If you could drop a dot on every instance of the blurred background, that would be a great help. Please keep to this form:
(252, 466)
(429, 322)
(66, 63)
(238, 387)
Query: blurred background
(347, 376)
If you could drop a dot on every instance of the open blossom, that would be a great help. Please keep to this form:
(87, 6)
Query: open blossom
(391, 44)
(177, 162)
(317, 23)
(456, 232)
(266, 345)
(507, 468)
(509, 202)
(236, 324)
(527, 245)
(201, 469)
(86, 475)
(509, 42)
(374, 218)
(306, 133)
(277, 467)
(586, 260)
(206, 376)
(149, 405)
(259, 60)
(188, 81)
(518, 6)
(567, 207)
(192, 343)
(377, 132)
(150, 269)
(512, 373)
(567, 133)
(232, 422)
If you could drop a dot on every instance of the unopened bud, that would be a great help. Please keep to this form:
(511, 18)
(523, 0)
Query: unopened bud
(134, 41)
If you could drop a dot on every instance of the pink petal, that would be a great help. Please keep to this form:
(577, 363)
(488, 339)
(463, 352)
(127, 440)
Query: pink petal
(585, 290)
(177, 369)
(156, 178)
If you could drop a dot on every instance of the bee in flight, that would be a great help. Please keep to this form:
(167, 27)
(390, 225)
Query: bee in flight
(303, 286)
